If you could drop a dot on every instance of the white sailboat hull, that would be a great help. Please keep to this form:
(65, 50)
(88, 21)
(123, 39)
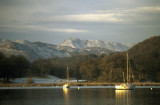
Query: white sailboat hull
(125, 87)
(66, 86)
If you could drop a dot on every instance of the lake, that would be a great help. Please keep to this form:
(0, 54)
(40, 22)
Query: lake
(83, 96)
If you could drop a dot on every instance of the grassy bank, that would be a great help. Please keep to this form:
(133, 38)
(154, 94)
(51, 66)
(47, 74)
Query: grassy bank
(72, 84)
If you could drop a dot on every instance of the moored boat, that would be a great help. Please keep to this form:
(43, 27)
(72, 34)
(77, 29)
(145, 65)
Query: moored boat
(67, 85)
(125, 86)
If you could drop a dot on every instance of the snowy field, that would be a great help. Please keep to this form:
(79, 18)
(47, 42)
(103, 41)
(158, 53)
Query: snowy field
(48, 79)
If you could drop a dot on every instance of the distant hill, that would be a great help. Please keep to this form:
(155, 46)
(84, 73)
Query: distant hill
(32, 50)
(82, 44)
(35, 50)
(149, 46)
(146, 56)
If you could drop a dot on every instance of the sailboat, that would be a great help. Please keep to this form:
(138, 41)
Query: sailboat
(125, 86)
(67, 85)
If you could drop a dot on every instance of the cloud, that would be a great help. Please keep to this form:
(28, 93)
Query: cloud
(91, 18)
(60, 23)
(42, 12)
(87, 18)
(118, 15)
(68, 30)
(134, 15)
(40, 28)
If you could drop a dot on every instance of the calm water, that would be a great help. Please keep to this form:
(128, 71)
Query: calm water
(82, 96)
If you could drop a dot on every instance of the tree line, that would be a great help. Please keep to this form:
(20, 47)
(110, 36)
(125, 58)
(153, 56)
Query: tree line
(13, 66)
(105, 68)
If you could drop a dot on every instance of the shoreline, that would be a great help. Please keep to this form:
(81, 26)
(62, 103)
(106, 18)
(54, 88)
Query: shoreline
(72, 84)
(77, 87)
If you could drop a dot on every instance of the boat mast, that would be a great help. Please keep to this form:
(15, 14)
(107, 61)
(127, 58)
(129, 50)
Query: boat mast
(67, 74)
(123, 78)
(127, 68)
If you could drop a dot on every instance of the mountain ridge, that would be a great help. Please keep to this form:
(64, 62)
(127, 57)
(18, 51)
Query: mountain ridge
(82, 44)
(71, 46)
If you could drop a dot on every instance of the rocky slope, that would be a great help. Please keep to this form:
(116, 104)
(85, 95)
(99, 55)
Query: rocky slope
(35, 50)
(82, 44)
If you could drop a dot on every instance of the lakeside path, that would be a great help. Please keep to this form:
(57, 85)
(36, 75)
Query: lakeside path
(72, 84)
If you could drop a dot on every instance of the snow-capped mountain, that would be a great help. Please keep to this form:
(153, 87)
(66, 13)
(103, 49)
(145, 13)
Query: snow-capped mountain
(82, 44)
(35, 50)
(32, 50)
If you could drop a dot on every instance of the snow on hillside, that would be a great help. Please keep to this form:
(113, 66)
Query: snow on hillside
(71, 46)
(74, 43)
(33, 50)
(82, 44)
(48, 79)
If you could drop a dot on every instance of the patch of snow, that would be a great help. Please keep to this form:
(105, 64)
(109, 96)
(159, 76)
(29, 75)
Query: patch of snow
(48, 79)
(82, 44)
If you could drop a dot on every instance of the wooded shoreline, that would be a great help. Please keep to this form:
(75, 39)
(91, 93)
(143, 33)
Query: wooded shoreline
(72, 84)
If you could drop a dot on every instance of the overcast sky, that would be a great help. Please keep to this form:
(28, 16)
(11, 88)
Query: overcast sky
(52, 21)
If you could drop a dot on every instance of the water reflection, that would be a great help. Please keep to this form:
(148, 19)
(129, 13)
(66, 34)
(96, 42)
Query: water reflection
(123, 97)
(83, 96)
(66, 96)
